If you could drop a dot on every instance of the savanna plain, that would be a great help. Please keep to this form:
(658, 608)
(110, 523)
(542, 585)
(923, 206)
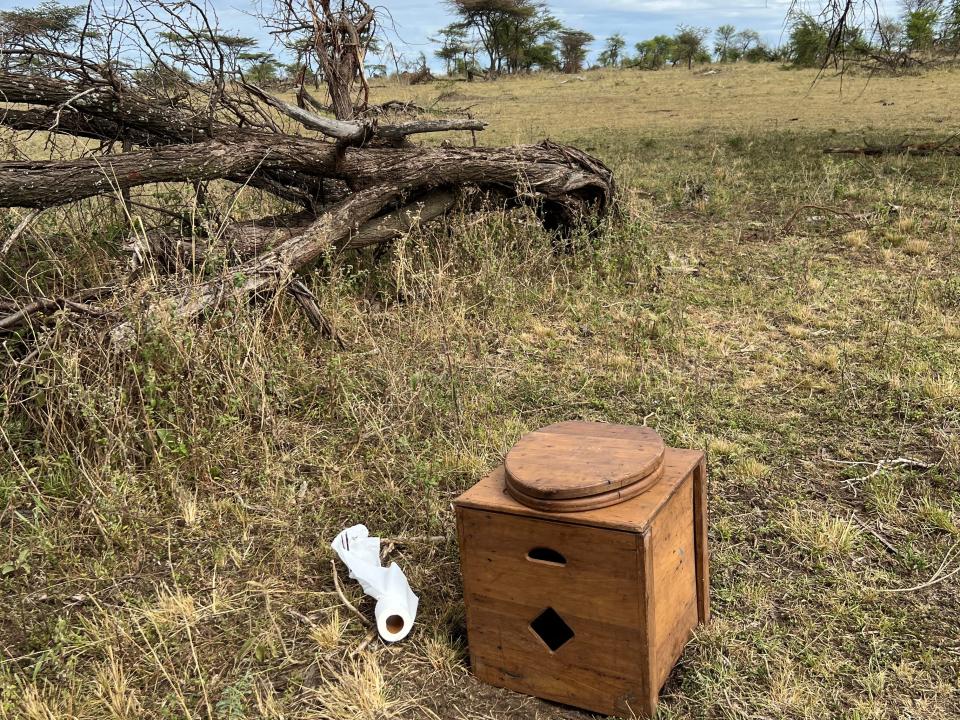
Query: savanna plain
(166, 510)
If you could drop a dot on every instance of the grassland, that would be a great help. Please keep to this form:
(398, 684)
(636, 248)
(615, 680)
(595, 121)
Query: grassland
(166, 512)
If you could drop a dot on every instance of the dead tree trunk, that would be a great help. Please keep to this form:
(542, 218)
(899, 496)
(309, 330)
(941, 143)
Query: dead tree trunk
(383, 185)
(546, 172)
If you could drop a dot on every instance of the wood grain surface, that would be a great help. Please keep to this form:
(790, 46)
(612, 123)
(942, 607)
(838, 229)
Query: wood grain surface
(578, 459)
(590, 502)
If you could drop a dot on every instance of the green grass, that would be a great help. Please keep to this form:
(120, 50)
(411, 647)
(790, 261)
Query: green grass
(166, 512)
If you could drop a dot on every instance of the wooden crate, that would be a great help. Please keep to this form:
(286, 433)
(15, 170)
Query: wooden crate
(589, 608)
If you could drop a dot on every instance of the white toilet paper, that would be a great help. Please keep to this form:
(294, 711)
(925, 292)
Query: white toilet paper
(396, 604)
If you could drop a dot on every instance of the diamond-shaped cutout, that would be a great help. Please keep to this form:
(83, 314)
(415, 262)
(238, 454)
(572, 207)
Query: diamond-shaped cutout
(551, 629)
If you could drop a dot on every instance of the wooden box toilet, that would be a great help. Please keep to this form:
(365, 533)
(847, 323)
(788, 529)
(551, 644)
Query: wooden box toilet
(584, 562)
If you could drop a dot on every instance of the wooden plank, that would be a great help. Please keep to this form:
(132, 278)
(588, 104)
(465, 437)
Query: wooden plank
(650, 688)
(674, 581)
(700, 536)
(601, 429)
(632, 515)
(598, 653)
(469, 609)
(506, 655)
(593, 582)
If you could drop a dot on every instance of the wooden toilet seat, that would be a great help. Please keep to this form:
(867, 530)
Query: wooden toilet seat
(574, 466)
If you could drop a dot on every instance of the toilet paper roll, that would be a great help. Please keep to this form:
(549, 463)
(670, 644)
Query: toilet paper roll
(396, 607)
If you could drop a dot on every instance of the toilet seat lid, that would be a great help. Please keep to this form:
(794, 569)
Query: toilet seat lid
(576, 459)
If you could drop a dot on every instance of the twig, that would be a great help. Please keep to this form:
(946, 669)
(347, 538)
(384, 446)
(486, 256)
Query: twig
(887, 464)
(879, 467)
(308, 301)
(350, 606)
(413, 539)
(823, 208)
(56, 120)
(453, 377)
(77, 303)
(18, 230)
(292, 612)
(873, 531)
(368, 638)
(935, 579)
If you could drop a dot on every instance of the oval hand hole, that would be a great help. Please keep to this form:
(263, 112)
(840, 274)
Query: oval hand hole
(547, 556)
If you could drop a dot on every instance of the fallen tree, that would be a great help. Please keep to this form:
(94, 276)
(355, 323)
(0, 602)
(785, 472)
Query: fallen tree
(945, 147)
(354, 179)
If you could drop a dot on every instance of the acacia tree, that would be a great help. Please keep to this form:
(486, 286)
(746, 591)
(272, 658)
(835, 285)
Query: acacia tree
(724, 45)
(516, 35)
(454, 47)
(51, 26)
(688, 45)
(808, 42)
(654, 53)
(531, 41)
(612, 54)
(260, 68)
(573, 49)
(920, 26)
(488, 19)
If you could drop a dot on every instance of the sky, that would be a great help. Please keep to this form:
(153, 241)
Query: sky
(415, 21)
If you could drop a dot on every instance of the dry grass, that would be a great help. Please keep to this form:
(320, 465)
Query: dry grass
(742, 100)
(165, 513)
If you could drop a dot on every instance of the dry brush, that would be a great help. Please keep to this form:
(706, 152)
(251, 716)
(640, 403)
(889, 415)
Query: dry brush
(349, 181)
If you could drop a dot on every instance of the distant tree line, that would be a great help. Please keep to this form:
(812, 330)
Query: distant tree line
(689, 45)
(497, 37)
(56, 27)
(500, 37)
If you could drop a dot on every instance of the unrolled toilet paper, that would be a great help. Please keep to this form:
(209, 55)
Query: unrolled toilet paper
(396, 606)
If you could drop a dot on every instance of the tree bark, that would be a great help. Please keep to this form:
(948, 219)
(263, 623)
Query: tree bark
(130, 109)
(553, 171)
(274, 269)
(241, 241)
(72, 123)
